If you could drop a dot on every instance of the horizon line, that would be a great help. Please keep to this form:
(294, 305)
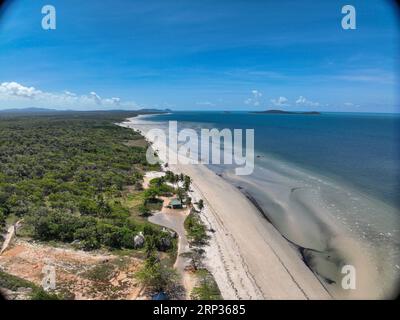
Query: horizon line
(182, 110)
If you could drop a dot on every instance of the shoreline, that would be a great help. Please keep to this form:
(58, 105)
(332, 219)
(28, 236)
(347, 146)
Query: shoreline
(240, 235)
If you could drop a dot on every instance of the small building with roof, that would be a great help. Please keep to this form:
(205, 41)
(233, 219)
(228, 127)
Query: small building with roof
(175, 203)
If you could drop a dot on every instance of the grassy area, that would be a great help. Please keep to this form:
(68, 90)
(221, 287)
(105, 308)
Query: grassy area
(106, 270)
(155, 205)
(11, 219)
(13, 283)
(102, 272)
(137, 142)
(135, 200)
(207, 288)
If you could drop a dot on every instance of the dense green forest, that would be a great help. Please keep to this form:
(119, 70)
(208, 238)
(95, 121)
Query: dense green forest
(65, 173)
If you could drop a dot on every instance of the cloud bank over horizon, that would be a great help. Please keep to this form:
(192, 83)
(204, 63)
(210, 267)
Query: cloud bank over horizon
(16, 95)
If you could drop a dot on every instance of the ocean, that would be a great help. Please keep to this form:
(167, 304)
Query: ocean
(329, 183)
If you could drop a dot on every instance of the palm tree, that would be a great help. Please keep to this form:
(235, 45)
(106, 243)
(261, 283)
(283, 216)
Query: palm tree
(180, 193)
(186, 183)
(200, 204)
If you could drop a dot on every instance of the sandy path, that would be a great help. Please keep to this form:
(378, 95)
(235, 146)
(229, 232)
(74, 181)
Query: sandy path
(149, 176)
(9, 236)
(174, 219)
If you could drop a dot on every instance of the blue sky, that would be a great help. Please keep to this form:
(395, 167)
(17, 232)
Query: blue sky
(200, 55)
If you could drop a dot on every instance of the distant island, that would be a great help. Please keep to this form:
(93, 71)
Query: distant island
(286, 112)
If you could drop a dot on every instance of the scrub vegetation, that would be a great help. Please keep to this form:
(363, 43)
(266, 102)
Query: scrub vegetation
(67, 175)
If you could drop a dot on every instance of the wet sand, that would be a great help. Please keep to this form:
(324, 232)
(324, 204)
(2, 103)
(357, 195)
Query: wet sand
(268, 259)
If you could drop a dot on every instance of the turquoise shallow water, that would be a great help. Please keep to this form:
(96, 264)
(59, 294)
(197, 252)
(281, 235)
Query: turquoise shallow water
(329, 183)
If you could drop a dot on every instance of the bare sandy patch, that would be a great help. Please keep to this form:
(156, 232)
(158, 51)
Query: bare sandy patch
(79, 275)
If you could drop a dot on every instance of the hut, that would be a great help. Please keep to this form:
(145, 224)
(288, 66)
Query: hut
(175, 204)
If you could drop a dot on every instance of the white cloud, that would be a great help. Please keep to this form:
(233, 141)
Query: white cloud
(302, 101)
(95, 97)
(17, 90)
(280, 102)
(71, 94)
(255, 98)
(13, 94)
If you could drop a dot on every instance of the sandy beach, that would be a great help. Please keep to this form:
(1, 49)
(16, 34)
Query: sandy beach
(247, 256)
